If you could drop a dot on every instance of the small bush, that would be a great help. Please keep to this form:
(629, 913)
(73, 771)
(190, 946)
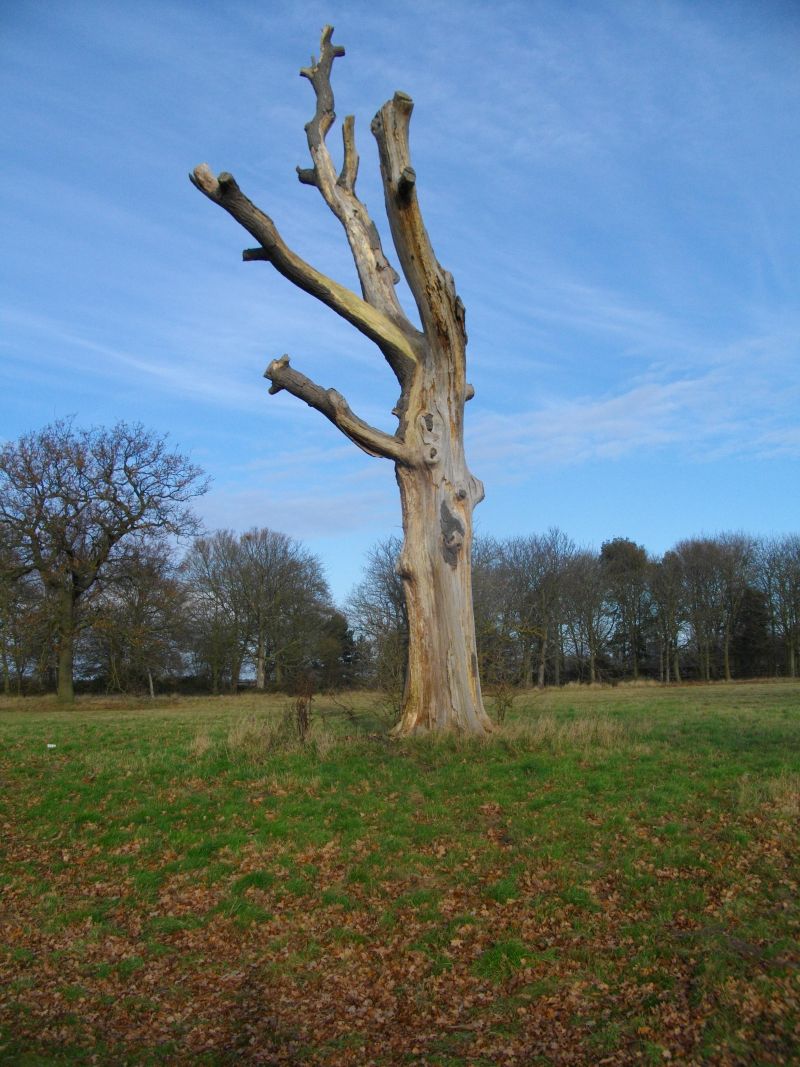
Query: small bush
(503, 701)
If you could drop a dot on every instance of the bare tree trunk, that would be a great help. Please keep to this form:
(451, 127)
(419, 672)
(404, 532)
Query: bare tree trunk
(437, 491)
(726, 656)
(236, 670)
(66, 637)
(527, 663)
(542, 662)
(261, 663)
(442, 687)
(150, 684)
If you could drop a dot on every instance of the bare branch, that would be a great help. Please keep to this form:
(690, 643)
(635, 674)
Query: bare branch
(306, 175)
(439, 307)
(349, 171)
(396, 344)
(334, 407)
(375, 273)
(406, 183)
(319, 74)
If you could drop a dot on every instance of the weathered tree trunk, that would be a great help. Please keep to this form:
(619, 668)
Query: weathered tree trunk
(66, 641)
(540, 676)
(442, 687)
(236, 670)
(437, 491)
(726, 656)
(261, 662)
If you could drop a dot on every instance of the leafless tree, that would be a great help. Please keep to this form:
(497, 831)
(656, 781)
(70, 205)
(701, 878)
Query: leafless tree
(136, 629)
(23, 619)
(212, 569)
(533, 568)
(717, 572)
(71, 499)
(586, 611)
(704, 599)
(260, 598)
(779, 578)
(737, 574)
(665, 581)
(377, 609)
(284, 591)
(437, 491)
(625, 567)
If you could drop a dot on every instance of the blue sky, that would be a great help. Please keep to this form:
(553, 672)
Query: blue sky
(615, 187)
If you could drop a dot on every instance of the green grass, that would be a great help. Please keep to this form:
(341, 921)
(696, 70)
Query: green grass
(615, 872)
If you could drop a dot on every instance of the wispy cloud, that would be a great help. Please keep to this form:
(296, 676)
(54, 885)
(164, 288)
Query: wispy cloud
(730, 409)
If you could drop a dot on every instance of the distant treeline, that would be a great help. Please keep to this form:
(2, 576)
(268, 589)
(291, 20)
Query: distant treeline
(92, 588)
(250, 609)
(548, 611)
(255, 610)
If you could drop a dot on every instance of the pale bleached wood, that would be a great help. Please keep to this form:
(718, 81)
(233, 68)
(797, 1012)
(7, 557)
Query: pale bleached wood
(397, 345)
(437, 491)
(333, 406)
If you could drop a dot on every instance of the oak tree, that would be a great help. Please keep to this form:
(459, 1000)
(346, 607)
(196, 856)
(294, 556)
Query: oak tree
(437, 490)
(70, 500)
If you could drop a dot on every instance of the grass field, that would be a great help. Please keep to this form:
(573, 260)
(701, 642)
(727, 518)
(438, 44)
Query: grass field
(612, 879)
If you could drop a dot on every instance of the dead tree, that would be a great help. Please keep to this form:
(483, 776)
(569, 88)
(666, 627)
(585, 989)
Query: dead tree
(437, 490)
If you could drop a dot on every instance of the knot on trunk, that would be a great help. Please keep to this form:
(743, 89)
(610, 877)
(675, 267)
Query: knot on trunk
(452, 534)
(431, 438)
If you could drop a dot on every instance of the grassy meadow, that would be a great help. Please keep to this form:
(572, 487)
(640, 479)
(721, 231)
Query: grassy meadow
(612, 879)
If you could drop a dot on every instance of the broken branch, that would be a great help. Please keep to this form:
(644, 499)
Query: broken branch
(375, 273)
(440, 316)
(395, 343)
(335, 408)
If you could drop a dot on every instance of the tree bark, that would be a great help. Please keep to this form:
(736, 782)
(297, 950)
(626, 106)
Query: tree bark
(437, 491)
(726, 656)
(676, 664)
(442, 689)
(261, 662)
(542, 661)
(66, 641)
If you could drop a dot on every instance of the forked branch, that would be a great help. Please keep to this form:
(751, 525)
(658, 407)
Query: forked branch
(378, 278)
(395, 343)
(440, 308)
(334, 407)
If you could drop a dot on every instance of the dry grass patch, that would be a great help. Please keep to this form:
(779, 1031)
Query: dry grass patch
(558, 735)
(781, 792)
